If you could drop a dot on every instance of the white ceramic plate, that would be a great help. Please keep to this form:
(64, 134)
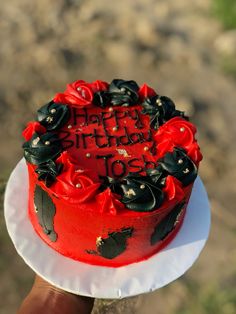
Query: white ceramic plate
(105, 282)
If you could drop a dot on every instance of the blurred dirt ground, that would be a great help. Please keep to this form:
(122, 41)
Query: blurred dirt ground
(175, 46)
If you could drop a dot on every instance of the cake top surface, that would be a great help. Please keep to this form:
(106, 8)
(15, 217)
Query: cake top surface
(119, 145)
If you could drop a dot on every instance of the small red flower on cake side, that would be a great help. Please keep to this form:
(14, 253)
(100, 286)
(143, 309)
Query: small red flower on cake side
(74, 185)
(33, 127)
(173, 189)
(146, 91)
(80, 93)
(109, 202)
(177, 132)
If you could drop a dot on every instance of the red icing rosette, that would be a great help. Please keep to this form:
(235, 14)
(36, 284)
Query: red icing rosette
(146, 91)
(109, 202)
(33, 127)
(80, 93)
(74, 185)
(173, 189)
(177, 132)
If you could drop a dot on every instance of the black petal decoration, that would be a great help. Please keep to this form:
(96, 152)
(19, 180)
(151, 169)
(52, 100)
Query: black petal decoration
(166, 225)
(157, 176)
(53, 115)
(179, 165)
(111, 183)
(115, 244)
(123, 93)
(141, 193)
(45, 210)
(160, 109)
(102, 99)
(48, 171)
(42, 148)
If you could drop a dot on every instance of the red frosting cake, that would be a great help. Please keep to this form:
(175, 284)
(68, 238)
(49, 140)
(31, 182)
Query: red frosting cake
(111, 169)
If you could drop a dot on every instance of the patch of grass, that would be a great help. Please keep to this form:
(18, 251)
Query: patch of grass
(225, 10)
(211, 299)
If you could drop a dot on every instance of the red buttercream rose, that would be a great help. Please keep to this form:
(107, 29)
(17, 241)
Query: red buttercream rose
(74, 185)
(33, 127)
(99, 86)
(80, 93)
(194, 153)
(146, 91)
(173, 189)
(109, 202)
(177, 132)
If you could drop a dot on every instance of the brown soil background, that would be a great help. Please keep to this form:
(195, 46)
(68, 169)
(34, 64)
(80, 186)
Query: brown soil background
(171, 46)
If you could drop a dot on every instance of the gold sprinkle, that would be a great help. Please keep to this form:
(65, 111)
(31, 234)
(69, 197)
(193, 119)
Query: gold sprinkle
(178, 217)
(49, 119)
(146, 148)
(158, 102)
(53, 110)
(78, 88)
(130, 192)
(110, 109)
(128, 92)
(186, 170)
(182, 129)
(35, 141)
(88, 155)
(98, 241)
(47, 143)
(79, 170)
(115, 128)
(36, 209)
(69, 126)
(123, 152)
(78, 185)
(142, 186)
(180, 161)
(122, 89)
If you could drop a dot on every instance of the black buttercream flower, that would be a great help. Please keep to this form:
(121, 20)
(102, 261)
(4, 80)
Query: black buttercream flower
(160, 109)
(42, 148)
(112, 184)
(141, 194)
(157, 176)
(53, 115)
(179, 165)
(123, 93)
(102, 99)
(48, 172)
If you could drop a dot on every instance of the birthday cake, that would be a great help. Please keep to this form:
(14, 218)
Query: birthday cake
(111, 169)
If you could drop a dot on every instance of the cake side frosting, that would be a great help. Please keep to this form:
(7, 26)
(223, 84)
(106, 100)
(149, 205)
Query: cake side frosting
(108, 164)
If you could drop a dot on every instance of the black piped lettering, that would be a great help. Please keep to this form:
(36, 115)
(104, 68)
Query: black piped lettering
(114, 168)
(83, 115)
(105, 158)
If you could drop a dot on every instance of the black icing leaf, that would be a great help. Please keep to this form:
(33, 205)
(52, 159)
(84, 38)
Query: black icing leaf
(102, 99)
(161, 109)
(166, 225)
(115, 244)
(53, 115)
(123, 93)
(112, 184)
(48, 171)
(157, 175)
(42, 148)
(141, 193)
(179, 165)
(45, 210)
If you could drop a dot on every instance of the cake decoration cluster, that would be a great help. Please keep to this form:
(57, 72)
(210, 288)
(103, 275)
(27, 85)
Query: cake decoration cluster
(171, 136)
